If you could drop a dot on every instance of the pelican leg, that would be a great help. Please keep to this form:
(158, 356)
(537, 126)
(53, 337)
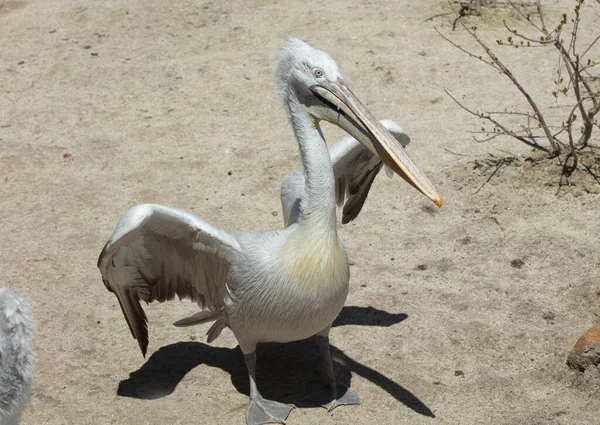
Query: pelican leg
(334, 393)
(261, 411)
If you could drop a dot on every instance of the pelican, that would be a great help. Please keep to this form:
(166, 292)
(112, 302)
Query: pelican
(16, 338)
(275, 285)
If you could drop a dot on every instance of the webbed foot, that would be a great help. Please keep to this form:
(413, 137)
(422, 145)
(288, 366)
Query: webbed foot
(261, 411)
(331, 397)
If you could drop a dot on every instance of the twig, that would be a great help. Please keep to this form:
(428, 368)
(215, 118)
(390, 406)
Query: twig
(437, 16)
(589, 169)
(457, 154)
(499, 125)
(590, 46)
(466, 51)
(533, 40)
(527, 18)
(487, 139)
(500, 164)
(538, 6)
(524, 114)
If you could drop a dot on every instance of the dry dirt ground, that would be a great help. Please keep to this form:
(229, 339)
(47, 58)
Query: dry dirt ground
(463, 315)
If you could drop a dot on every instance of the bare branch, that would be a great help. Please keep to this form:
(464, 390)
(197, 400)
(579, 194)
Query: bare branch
(532, 40)
(536, 129)
(590, 46)
(506, 131)
(527, 18)
(591, 65)
(524, 114)
(589, 169)
(538, 6)
(431, 18)
(457, 154)
(487, 139)
(466, 51)
(508, 73)
(574, 31)
(500, 164)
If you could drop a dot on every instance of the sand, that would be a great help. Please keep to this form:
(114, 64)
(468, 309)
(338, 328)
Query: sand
(463, 315)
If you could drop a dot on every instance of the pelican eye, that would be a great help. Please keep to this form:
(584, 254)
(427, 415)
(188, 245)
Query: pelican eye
(318, 73)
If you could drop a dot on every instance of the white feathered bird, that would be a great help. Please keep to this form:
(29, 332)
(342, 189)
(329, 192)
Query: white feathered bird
(277, 285)
(16, 355)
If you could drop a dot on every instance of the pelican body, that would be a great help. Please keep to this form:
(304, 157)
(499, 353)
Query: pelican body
(277, 285)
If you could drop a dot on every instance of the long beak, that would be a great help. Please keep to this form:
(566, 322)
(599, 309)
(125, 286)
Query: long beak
(345, 110)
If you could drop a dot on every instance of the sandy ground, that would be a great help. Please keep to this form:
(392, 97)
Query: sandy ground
(463, 315)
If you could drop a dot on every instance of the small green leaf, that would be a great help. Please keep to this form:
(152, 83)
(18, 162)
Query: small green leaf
(554, 94)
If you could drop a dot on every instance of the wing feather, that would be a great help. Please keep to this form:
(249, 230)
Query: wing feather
(157, 253)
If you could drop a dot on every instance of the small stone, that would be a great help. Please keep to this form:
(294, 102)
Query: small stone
(517, 263)
(586, 352)
(193, 337)
(548, 315)
(274, 213)
(228, 173)
(459, 372)
(87, 47)
(422, 267)
(422, 53)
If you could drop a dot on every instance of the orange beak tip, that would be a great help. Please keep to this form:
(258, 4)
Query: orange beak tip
(438, 201)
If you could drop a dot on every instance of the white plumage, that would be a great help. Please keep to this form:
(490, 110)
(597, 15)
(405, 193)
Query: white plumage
(16, 355)
(277, 285)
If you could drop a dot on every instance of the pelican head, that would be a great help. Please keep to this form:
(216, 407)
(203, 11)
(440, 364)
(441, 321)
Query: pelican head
(310, 77)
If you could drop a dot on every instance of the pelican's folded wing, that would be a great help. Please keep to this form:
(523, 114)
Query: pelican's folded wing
(355, 169)
(158, 252)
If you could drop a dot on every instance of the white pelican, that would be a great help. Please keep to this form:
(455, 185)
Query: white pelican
(16, 339)
(276, 285)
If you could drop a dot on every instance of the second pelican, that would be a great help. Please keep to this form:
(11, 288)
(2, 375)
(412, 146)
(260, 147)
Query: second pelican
(277, 285)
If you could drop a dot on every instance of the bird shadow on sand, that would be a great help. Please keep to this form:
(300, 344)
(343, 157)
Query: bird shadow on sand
(292, 368)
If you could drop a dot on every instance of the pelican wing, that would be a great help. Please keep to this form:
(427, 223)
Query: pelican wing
(355, 169)
(158, 252)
